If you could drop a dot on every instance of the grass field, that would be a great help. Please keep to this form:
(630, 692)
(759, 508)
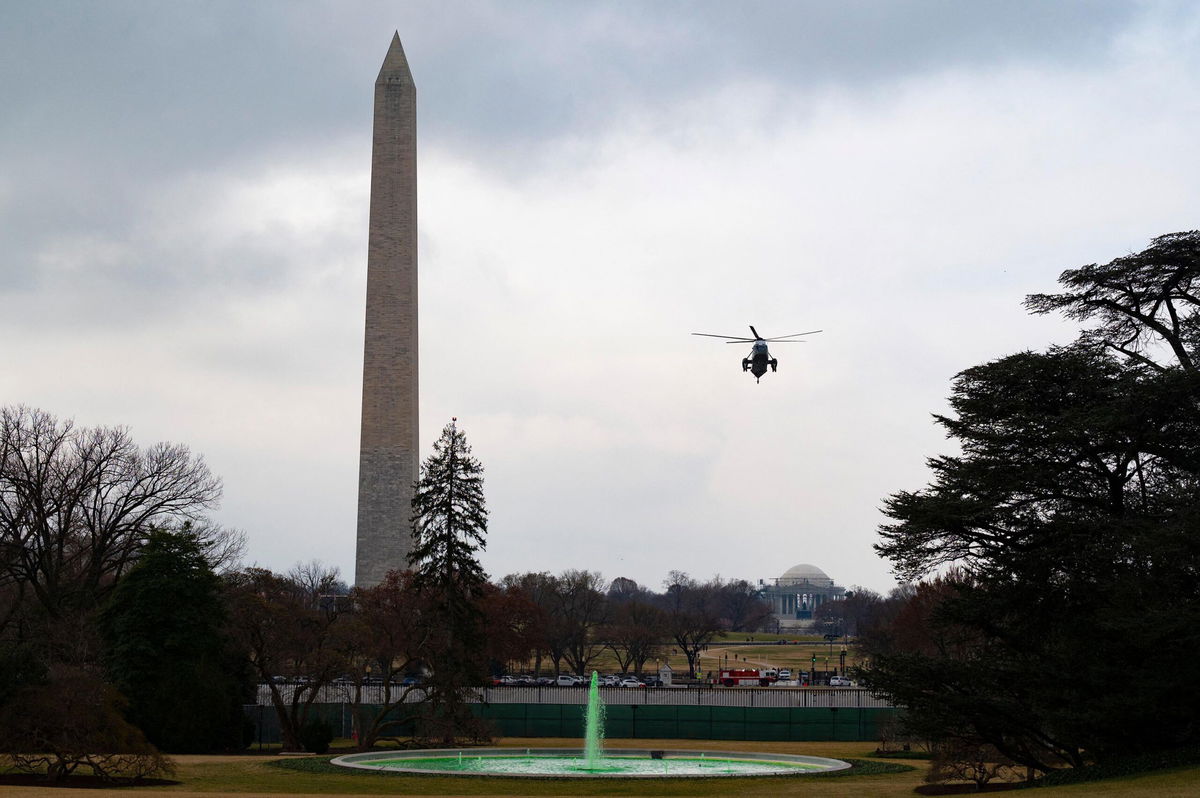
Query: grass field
(765, 651)
(255, 776)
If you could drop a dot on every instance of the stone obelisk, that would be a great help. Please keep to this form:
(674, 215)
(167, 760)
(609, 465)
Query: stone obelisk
(389, 450)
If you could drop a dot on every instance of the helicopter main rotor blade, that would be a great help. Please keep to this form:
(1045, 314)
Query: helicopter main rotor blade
(729, 338)
(793, 335)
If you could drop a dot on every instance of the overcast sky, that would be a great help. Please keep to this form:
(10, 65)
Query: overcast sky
(183, 230)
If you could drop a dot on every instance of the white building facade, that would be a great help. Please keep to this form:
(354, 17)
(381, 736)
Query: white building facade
(795, 595)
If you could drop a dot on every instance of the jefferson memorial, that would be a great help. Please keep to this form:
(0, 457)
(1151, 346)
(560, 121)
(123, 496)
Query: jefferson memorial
(797, 593)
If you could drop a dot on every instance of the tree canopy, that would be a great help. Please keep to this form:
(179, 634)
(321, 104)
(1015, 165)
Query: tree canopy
(449, 525)
(1066, 533)
(167, 650)
(1142, 302)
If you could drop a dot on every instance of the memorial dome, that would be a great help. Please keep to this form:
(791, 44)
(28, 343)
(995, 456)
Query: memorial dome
(805, 573)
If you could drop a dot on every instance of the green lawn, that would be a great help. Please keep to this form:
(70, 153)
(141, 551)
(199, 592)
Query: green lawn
(765, 651)
(256, 775)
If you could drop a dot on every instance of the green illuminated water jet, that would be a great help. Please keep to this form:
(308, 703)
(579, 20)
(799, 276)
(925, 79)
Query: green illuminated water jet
(593, 727)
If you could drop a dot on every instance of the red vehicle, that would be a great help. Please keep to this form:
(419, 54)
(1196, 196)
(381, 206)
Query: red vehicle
(751, 676)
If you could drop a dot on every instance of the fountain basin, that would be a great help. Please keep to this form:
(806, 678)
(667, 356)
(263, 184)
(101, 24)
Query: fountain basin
(557, 763)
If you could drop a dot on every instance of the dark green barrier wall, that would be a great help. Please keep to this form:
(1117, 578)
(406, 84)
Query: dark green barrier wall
(795, 724)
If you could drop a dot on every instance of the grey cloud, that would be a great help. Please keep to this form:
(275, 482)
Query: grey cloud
(164, 86)
(105, 102)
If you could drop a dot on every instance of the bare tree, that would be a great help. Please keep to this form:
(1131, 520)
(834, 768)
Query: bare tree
(740, 606)
(850, 614)
(693, 615)
(317, 579)
(516, 626)
(624, 589)
(224, 547)
(76, 504)
(385, 639)
(634, 633)
(537, 588)
(580, 609)
(274, 621)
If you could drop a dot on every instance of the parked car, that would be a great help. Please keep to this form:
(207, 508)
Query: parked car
(652, 681)
(631, 682)
(568, 680)
(839, 681)
(785, 675)
(543, 681)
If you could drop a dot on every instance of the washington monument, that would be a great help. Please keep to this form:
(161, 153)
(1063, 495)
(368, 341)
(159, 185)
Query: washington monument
(388, 453)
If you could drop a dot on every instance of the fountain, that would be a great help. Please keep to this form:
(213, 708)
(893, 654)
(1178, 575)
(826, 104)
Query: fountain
(590, 762)
(593, 726)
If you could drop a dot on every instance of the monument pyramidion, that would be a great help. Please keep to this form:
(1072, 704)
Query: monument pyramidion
(389, 448)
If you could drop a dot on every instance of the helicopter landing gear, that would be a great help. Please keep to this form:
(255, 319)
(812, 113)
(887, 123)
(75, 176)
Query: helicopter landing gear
(774, 363)
(745, 364)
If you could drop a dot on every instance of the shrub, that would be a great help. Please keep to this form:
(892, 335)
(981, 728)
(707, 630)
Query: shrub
(72, 721)
(970, 760)
(316, 735)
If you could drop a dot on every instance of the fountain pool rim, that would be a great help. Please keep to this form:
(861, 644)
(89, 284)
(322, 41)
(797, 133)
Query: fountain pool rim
(788, 762)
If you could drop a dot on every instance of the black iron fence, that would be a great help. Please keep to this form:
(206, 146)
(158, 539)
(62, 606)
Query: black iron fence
(841, 697)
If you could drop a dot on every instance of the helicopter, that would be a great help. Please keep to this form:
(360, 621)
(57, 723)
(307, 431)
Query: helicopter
(760, 358)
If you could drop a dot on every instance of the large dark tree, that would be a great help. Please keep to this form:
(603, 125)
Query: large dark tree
(1146, 305)
(449, 523)
(166, 649)
(1070, 519)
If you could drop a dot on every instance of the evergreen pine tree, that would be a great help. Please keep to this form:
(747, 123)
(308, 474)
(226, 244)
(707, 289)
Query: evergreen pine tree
(165, 648)
(449, 522)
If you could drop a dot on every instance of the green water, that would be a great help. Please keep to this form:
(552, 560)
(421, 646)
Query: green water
(593, 727)
(543, 765)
